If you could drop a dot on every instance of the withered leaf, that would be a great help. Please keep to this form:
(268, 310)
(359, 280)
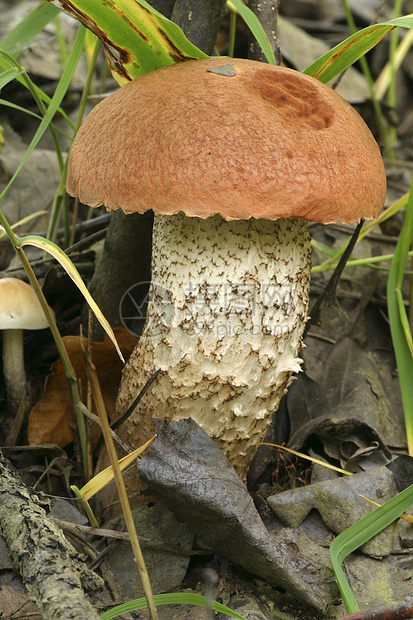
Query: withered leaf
(52, 419)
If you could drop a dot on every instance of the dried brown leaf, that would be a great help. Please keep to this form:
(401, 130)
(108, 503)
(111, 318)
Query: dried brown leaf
(52, 419)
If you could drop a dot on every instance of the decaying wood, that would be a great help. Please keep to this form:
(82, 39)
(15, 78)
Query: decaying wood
(55, 576)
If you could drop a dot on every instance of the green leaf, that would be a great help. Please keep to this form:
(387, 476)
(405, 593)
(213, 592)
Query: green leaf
(255, 27)
(349, 51)
(356, 535)
(171, 599)
(136, 38)
(57, 253)
(8, 76)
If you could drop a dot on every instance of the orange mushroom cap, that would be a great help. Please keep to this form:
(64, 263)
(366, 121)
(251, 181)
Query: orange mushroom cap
(263, 142)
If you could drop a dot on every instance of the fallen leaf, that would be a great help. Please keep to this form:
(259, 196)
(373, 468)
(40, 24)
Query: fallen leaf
(186, 469)
(52, 419)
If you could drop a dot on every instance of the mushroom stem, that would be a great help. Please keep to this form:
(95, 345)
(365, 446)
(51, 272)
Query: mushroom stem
(226, 312)
(13, 366)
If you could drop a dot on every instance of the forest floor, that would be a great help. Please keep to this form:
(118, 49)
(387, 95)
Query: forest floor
(344, 409)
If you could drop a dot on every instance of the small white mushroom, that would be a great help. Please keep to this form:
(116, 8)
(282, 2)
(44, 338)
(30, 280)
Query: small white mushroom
(19, 309)
(232, 156)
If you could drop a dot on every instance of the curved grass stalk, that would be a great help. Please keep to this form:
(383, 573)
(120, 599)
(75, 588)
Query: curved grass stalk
(382, 83)
(391, 94)
(120, 485)
(335, 255)
(14, 106)
(60, 198)
(356, 535)
(370, 84)
(31, 87)
(54, 104)
(371, 261)
(399, 323)
(254, 25)
(57, 253)
(184, 598)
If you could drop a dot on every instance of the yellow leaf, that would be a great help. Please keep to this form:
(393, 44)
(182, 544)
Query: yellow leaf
(105, 476)
(57, 253)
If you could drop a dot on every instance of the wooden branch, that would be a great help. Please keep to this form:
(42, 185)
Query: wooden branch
(54, 574)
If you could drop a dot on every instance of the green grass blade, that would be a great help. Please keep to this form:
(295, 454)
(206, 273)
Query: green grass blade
(356, 535)
(9, 75)
(45, 98)
(171, 599)
(39, 103)
(54, 104)
(19, 108)
(378, 111)
(57, 253)
(397, 206)
(399, 324)
(17, 39)
(254, 26)
(349, 51)
(136, 38)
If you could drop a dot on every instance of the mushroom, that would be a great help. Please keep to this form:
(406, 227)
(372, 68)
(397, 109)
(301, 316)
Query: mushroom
(233, 156)
(19, 309)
